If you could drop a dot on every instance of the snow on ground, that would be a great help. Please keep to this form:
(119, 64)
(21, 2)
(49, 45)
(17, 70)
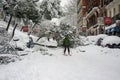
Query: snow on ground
(86, 63)
(56, 21)
(44, 41)
(96, 63)
(91, 39)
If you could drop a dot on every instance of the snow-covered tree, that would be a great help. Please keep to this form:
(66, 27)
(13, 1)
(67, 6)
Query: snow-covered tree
(70, 7)
(50, 9)
(62, 30)
(45, 28)
(27, 9)
(8, 7)
(67, 26)
(70, 12)
(54, 28)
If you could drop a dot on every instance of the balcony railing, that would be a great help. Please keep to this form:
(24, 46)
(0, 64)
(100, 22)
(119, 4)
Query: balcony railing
(106, 2)
(91, 6)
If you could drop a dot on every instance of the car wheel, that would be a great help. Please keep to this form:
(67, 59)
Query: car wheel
(114, 46)
(119, 45)
(107, 45)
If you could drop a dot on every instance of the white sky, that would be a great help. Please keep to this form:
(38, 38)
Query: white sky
(64, 2)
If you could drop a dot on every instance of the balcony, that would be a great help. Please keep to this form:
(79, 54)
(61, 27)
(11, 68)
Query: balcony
(106, 2)
(116, 17)
(91, 5)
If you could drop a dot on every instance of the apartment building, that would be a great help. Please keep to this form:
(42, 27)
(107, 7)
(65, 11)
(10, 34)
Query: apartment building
(94, 17)
(81, 13)
(113, 11)
(99, 15)
(90, 15)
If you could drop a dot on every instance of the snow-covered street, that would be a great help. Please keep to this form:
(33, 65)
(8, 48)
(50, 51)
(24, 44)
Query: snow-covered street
(59, 40)
(89, 62)
(96, 63)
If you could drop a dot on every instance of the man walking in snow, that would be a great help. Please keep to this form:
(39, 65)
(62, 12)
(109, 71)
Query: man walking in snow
(30, 43)
(66, 44)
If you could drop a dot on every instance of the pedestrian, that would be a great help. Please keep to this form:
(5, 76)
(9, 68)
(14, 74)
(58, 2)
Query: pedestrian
(30, 43)
(66, 44)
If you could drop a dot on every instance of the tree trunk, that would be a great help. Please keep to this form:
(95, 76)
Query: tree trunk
(25, 21)
(9, 22)
(32, 29)
(34, 25)
(21, 28)
(14, 31)
(38, 39)
(4, 18)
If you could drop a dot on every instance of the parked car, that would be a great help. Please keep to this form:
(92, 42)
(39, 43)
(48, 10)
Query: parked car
(111, 42)
(96, 40)
(99, 39)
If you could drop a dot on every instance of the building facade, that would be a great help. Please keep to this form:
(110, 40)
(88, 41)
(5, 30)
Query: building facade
(113, 11)
(94, 17)
(81, 13)
(95, 14)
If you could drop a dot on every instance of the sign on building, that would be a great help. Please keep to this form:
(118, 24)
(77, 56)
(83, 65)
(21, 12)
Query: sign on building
(100, 21)
(118, 22)
(84, 29)
(108, 20)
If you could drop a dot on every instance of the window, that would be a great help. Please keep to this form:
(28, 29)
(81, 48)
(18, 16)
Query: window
(114, 10)
(110, 13)
(119, 8)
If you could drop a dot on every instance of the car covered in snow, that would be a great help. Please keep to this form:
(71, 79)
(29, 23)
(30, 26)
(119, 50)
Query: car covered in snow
(111, 42)
(105, 40)
(96, 40)
(99, 38)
